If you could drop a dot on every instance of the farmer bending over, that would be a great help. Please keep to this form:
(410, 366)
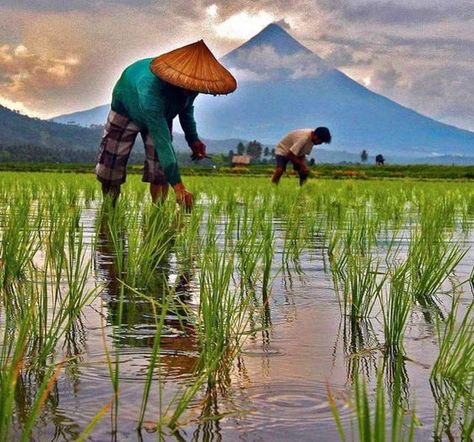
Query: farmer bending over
(145, 100)
(294, 147)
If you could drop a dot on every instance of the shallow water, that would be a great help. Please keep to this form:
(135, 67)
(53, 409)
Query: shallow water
(278, 388)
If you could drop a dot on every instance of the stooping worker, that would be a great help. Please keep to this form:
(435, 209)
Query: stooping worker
(148, 96)
(294, 147)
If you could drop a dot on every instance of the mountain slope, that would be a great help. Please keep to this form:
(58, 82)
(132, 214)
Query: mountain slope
(283, 85)
(19, 129)
(301, 90)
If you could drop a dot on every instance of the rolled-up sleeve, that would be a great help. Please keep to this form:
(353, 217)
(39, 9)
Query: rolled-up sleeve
(186, 119)
(160, 134)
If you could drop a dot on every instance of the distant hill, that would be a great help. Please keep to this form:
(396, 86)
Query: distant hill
(17, 129)
(283, 85)
(21, 130)
(29, 139)
(96, 115)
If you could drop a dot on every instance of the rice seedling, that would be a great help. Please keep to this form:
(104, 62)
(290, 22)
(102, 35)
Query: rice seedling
(12, 354)
(456, 355)
(18, 243)
(219, 320)
(41, 307)
(388, 248)
(358, 280)
(160, 310)
(268, 253)
(452, 376)
(453, 410)
(374, 420)
(294, 240)
(396, 306)
(187, 238)
(362, 285)
(248, 248)
(430, 263)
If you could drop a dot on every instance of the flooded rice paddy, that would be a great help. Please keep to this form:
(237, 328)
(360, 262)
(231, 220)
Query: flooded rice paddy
(266, 314)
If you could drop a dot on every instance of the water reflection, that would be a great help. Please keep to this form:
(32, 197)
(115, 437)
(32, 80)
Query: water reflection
(52, 424)
(135, 319)
(360, 345)
(396, 377)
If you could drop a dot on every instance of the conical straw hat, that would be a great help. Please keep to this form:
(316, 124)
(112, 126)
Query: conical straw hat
(193, 67)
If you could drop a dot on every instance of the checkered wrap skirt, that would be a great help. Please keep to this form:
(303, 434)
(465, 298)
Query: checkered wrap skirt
(117, 142)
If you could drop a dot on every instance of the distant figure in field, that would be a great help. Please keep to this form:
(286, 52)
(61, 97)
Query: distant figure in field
(147, 97)
(294, 147)
(379, 160)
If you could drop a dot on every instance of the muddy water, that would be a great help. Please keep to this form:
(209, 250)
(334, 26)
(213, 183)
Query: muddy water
(279, 385)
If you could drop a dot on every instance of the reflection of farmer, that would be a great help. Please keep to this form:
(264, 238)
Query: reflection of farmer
(294, 147)
(137, 329)
(146, 98)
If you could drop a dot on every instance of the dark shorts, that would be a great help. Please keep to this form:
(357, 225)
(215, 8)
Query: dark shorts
(282, 161)
(117, 142)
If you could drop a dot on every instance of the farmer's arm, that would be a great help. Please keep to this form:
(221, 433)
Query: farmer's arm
(160, 134)
(296, 149)
(295, 159)
(295, 154)
(186, 119)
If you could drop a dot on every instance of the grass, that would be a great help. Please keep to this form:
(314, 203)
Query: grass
(337, 171)
(396, 307)
(452, 376)
(392, 248)
(377, 418)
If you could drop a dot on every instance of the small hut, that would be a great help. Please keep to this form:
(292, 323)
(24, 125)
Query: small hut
(241, 160)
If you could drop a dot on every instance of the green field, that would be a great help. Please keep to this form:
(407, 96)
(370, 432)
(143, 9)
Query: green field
(140, 319)
(336, 171)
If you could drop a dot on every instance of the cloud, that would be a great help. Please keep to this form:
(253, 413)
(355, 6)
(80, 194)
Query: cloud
(70, 5)
(284, 24)
(403, 46)
(50, 81)
(385, 78)
(249, 75)
(401, 12)
(272, 65)
(445, 93)
(24, 74)
(346, 56)
(243, 24)
(340, 56)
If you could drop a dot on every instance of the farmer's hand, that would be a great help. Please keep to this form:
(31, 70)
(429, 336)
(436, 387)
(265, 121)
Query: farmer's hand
(304, 169)
(199, 150)
(183, 197)
(303, 173)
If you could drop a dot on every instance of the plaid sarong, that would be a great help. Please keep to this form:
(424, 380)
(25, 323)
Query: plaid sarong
(117, 142)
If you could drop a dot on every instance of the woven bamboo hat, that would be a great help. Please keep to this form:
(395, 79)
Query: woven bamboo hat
(193, 67)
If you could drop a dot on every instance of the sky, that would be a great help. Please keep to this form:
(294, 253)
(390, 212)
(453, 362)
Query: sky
(61, 56)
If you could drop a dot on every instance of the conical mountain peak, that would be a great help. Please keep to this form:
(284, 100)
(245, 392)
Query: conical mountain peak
(273, 36)
(274, 54)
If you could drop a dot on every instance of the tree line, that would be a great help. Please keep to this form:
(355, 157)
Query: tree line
(255, 150)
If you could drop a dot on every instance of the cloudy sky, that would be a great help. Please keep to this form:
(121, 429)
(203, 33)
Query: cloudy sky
(59, 56)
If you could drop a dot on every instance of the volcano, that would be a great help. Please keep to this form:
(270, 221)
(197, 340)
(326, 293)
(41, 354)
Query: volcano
(283, 85)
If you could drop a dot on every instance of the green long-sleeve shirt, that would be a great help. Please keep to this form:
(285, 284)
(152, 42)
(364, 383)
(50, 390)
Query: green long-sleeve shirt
(152, 104)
